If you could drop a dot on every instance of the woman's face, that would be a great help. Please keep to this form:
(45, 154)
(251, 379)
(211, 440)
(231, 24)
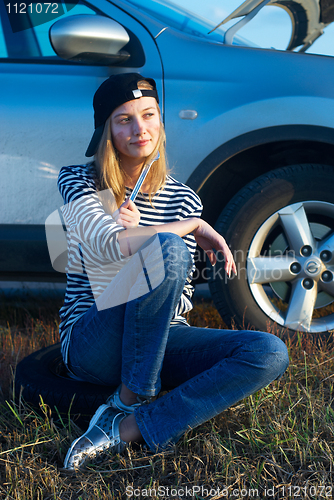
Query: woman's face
(135, 127)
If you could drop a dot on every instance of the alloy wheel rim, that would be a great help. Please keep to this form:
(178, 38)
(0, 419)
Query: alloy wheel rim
(290, 266)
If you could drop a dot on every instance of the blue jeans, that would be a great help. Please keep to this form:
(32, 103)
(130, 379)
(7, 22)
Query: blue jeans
(208, 370)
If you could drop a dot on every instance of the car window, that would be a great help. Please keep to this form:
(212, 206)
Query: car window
(181, 18)
(30, 38)
(178, 17)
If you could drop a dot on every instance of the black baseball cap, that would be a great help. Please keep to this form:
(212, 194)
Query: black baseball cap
(114, 92)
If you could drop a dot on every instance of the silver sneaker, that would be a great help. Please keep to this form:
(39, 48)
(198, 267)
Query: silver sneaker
(102, 435)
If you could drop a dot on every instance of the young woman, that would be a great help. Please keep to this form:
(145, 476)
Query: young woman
(129, 273)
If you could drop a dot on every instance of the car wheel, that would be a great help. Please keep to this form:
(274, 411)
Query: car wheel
(43, 374)
(280, 228)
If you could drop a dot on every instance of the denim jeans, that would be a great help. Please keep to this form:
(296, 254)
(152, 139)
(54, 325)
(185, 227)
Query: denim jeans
(207, 370)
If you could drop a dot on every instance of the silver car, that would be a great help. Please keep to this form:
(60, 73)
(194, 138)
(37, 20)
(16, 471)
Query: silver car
(251, 130)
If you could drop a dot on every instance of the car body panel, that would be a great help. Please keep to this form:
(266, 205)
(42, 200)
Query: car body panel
(244, 94)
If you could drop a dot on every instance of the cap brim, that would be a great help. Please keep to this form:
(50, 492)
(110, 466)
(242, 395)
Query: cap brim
(95, 141)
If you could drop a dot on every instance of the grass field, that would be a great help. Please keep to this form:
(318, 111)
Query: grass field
(279, 443)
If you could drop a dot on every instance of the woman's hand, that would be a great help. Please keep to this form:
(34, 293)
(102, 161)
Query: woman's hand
(208, 239)
(127, 215)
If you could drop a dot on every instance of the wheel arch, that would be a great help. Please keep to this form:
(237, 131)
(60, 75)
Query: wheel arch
(237, 162)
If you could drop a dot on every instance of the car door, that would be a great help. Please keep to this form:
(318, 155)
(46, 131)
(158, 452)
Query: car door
(47, 122)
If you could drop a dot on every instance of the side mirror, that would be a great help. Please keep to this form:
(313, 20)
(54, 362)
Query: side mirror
(89, 39)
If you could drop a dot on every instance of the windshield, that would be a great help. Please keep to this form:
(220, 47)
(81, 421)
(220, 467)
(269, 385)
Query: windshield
(184, 20)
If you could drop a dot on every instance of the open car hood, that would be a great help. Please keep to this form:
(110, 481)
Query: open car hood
(308, 17)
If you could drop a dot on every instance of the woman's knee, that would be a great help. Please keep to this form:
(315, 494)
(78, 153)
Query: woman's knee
(171, 239)
(277, 354)
(271, 350)
(175, 251)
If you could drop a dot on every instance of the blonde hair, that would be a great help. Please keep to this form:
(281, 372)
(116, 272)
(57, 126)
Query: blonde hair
(111, 175)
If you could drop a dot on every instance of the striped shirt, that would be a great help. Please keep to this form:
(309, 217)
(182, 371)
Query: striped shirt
(92, 239)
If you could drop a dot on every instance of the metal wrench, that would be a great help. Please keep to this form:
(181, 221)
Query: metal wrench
(142, 177)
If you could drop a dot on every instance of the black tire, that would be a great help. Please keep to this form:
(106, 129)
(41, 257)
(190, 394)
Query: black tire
(44, 374)
(254, 224)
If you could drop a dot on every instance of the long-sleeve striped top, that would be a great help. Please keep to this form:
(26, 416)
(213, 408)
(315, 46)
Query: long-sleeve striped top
(92, 239)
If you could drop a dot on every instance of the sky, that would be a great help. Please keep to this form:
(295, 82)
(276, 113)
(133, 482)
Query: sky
(271, 27)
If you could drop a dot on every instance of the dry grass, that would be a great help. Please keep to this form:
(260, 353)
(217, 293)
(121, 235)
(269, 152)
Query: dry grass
(276, 444)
